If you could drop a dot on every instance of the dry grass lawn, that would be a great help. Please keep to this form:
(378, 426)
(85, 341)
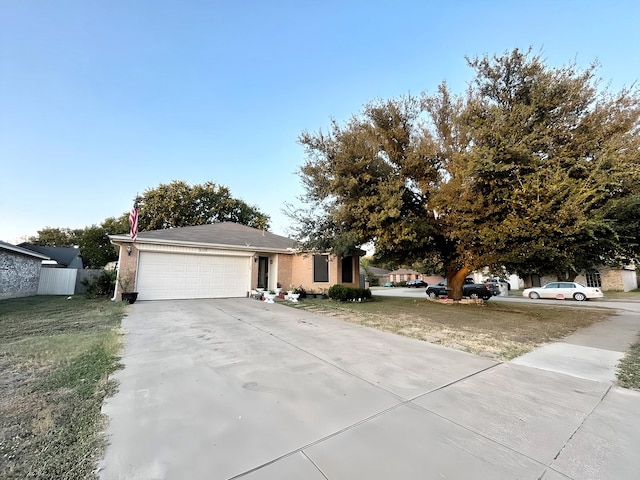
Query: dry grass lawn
(56, 355)
(497, 330)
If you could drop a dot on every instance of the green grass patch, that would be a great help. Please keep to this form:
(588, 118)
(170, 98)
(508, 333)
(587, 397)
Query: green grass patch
(497, 330)
(57, 354)
(629, 368)
(633, 295)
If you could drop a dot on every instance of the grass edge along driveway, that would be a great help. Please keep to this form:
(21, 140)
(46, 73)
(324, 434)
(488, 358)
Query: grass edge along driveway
(56, 354)
(497, 330)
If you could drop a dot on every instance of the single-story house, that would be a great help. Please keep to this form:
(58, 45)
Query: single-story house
(59, 257)
(606, 278)
(405, 274)
(19, 271)
(224, 260)
(377, 276)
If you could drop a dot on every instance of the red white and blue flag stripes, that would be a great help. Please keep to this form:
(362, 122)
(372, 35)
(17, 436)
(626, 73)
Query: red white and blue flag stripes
(133, 221)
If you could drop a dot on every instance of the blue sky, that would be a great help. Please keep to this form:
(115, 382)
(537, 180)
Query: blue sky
(101, 100)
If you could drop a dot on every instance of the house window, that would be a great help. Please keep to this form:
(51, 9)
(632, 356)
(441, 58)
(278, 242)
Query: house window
(320, 268)
(402, 278)
(593, 279)
(347, 269)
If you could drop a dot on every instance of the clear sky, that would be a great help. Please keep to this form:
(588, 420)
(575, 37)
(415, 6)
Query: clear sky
(103, 99)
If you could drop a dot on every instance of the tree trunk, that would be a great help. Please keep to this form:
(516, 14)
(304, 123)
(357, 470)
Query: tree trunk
(568, 276)
(455, 281)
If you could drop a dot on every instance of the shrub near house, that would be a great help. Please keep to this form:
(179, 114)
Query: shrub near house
(343, 294)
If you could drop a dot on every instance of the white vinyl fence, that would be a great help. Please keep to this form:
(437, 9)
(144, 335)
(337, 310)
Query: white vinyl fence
(57, 281)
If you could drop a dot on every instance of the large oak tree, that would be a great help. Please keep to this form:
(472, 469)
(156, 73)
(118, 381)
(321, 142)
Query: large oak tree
(532, 169)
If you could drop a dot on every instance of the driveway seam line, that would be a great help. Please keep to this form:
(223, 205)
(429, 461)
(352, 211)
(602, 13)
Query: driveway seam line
(314, 464)
(371, 417)
(586, 417)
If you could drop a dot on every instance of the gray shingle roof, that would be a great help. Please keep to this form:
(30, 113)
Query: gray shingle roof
(62, 255)
(225, 233)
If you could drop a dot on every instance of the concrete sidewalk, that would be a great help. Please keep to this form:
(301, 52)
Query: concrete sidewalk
(221, 389)
(592, 353)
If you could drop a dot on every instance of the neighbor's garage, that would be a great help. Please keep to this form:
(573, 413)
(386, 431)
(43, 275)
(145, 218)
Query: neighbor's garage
(169, 276)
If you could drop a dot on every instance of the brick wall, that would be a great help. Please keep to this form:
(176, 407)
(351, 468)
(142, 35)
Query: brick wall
(19, 275)
(285, 266)
(302, 273)
(127, 267)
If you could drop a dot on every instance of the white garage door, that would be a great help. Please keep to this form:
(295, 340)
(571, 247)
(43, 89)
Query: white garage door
(167, 276)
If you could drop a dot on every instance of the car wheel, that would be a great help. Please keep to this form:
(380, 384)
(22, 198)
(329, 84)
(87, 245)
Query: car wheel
(534, 296)
(580, 297)
(485, 298)
(473, 295)
(431, 294)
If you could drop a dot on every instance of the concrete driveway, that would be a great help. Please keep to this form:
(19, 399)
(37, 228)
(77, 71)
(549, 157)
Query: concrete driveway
(222, 389)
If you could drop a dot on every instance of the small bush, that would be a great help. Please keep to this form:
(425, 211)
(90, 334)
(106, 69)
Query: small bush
(103, 285)
(344, 294)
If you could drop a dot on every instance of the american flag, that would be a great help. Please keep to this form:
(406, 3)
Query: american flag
(133, 220)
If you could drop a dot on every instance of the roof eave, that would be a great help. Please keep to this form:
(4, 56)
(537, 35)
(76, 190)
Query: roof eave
(123, 239)
(26, 252)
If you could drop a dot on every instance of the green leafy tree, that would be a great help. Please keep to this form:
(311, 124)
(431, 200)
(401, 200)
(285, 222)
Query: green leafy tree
(56, 237)
(94, 244)
(550, 158)
(179, 204)
(116, 226)
(520, 172)
(96, 248)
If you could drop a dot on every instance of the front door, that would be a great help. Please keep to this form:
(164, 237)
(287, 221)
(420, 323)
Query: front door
(263, 272)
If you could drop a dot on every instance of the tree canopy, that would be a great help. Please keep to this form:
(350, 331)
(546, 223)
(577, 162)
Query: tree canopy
(56, 237)
(532, 169)
(95, 247)
(172, 205)
(178, 204)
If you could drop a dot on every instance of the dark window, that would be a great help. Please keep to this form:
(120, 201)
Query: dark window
(320, 268)
(347, 270)
(593, 279)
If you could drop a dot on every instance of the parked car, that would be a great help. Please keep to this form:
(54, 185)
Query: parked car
(389, 284)
(563, 290)
(416, 283)
(469, 289)
(498, 281)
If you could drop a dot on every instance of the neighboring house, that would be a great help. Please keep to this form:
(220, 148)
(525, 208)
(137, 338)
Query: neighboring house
(378, 275)
(60, 257)
(605, 278)
(405, 274)
(19, 271)
(224, 260)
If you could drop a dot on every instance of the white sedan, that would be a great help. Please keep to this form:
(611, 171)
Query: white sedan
(562, 290)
